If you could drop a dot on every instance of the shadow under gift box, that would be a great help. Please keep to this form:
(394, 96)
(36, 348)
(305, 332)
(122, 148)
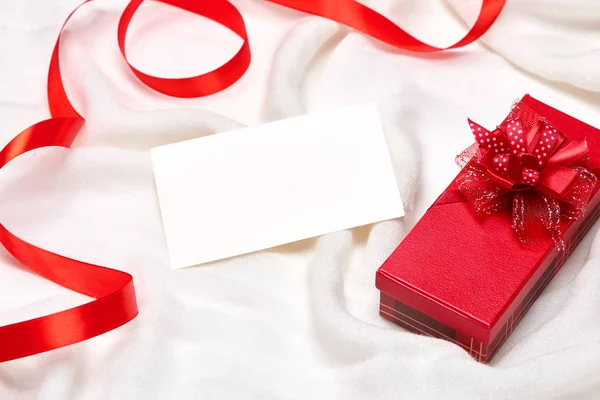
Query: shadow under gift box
(467, 279)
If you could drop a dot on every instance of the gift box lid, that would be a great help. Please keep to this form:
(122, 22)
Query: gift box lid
(467, 271)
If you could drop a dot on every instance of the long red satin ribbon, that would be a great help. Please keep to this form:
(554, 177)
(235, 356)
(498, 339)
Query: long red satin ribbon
(113, 291)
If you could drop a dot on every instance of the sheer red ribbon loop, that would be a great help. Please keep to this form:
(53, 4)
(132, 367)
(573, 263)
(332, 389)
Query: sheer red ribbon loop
(528, 165)
(115, 301)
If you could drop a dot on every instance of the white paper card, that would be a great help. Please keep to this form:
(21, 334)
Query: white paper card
(254, 188)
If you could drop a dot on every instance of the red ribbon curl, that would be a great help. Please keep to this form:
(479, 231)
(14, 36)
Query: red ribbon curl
(113, 291)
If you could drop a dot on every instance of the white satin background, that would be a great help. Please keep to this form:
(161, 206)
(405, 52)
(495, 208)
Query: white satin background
(298, 321)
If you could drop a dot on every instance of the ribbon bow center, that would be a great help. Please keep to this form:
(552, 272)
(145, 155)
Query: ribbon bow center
(518, 159)
(530, 167)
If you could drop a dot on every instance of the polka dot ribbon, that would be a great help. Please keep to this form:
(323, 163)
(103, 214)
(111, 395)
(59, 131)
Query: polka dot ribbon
(515, 157)
(528, 164)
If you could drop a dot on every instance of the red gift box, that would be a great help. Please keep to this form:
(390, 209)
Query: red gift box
(468, 278)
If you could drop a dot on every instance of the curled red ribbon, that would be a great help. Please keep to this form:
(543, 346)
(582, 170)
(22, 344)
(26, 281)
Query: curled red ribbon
(113, 291)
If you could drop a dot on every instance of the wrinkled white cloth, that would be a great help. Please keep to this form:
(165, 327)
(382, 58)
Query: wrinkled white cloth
(299, 321)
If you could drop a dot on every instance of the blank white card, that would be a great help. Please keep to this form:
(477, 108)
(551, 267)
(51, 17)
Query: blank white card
(254, 188)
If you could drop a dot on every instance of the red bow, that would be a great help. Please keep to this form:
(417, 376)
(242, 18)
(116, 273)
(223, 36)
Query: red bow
(529, 164)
